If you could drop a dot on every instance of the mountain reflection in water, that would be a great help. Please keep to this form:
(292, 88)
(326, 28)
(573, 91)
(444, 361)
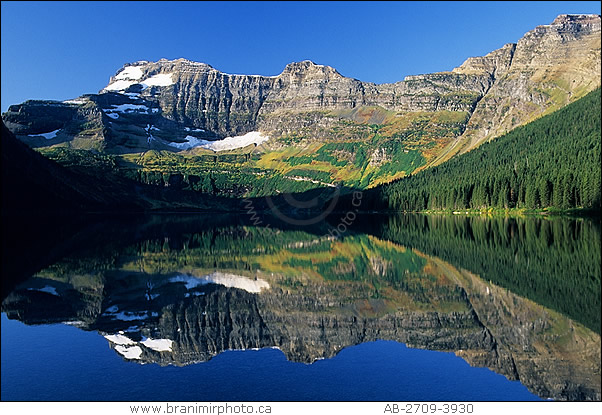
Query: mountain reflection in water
(180, 290)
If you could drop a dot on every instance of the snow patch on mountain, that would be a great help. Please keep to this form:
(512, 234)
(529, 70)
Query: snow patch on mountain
(129, 108)
(47, 136)
(129, 352)
(130, 72)
(131, 316)
(237, 281)
(114, 313)
(190, 281)
(114, 111)
(191, 142)
(129, 348)
(119, 339)
(129, 77)
(159, 345)
(162, 79)
(75, 101)
(120, 85)
(225, 279)
(228, 143)
(47, 289)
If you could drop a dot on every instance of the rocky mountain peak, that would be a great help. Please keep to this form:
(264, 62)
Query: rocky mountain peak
(307, 70)
(577, 19)
(183, 63)
(573, 24)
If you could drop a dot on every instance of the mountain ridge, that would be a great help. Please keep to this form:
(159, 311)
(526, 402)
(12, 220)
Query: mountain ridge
(181, 106)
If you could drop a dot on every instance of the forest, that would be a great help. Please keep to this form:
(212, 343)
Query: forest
(552, 162)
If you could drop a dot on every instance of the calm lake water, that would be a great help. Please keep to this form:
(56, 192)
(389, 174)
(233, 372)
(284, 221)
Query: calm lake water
(211, 308)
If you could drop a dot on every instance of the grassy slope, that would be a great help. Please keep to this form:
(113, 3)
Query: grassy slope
(555, 147)
(361, 148)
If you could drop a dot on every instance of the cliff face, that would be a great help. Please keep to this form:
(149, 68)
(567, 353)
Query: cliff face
(186, 101)
(198, 96)
(548, 68)
(307, 86)
(205, 98)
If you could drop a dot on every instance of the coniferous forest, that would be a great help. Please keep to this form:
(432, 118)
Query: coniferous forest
(552, 162)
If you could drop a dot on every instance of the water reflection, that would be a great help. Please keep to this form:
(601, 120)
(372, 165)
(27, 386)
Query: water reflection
(181, 292)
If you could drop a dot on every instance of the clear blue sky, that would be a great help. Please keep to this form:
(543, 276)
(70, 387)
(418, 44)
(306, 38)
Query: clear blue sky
(60, 50)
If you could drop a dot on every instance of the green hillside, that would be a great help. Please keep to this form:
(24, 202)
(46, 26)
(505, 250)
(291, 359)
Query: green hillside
(551, 162)
(361, 148)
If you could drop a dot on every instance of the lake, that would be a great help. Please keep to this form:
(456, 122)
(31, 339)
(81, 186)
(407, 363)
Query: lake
(182, 307)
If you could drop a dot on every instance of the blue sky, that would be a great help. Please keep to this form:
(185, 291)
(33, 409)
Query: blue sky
(60, 50)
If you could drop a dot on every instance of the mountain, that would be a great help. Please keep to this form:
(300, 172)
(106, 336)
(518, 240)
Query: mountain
(310, 126)
(550, 67)
(551, 162)
(31, 183)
